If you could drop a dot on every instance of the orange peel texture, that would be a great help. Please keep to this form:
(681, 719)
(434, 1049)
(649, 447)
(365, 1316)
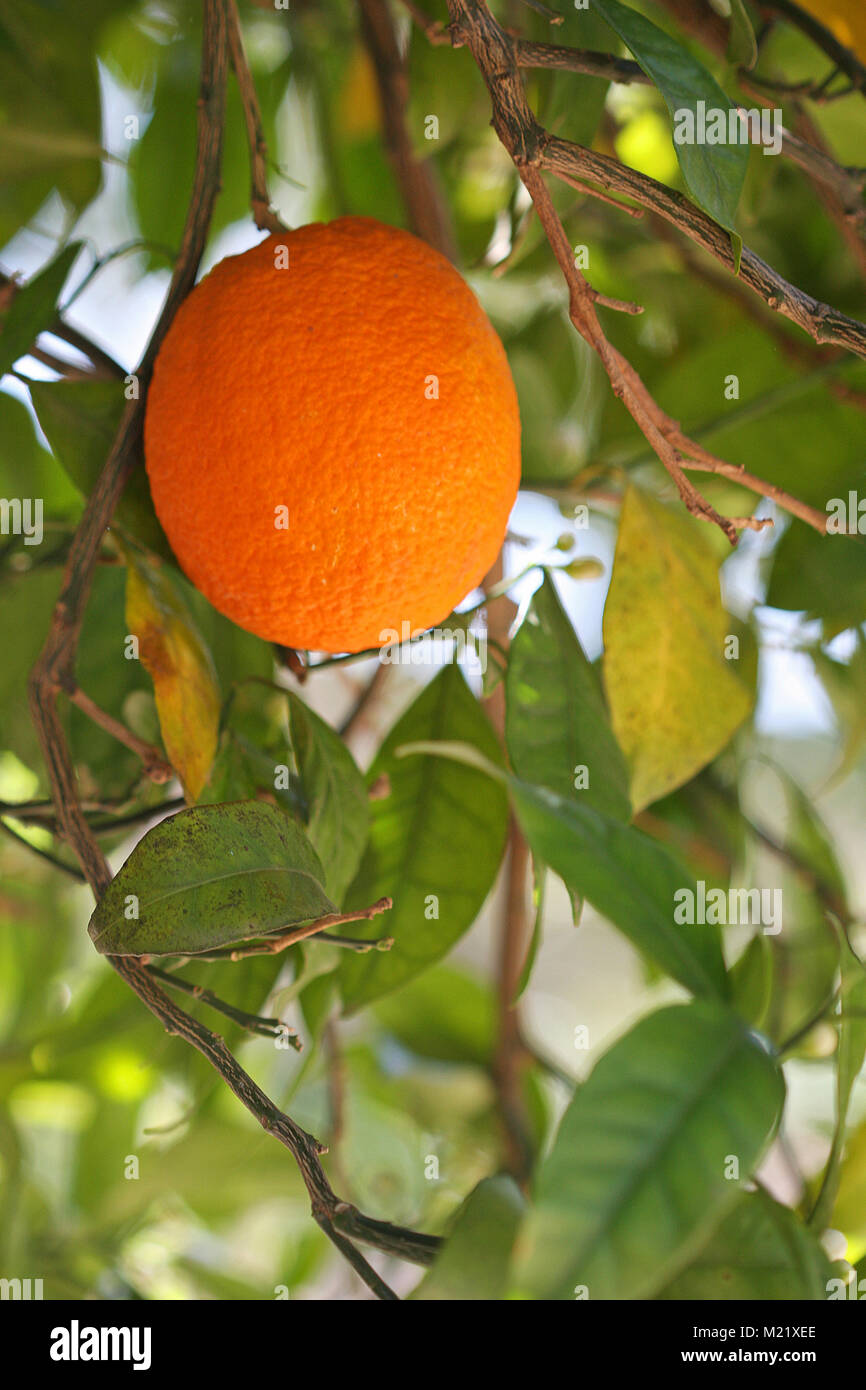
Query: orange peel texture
(332, 437)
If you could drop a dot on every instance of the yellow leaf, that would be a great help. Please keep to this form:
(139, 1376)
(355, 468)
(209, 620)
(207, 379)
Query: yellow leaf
(674, 698)
(849, 1213)
(359, 102)
(180, 666)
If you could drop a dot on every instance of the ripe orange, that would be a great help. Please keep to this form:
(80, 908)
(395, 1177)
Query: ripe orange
(333, 446)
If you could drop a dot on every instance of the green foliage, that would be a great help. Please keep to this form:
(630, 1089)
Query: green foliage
(714, 173)
(437, 1068)
(474, 1262)
(556, 722)
(211, 876)
(642, 1160)
(435, 843)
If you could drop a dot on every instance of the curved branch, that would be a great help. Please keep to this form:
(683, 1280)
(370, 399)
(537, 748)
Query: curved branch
(54, 669)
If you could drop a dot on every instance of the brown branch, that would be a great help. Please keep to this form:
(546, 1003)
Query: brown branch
(155, 765)
(800, 350)
(264, 216)
(660, 431)
(104, 366)
(273, 945)
(848, 184)
(251, 1023)
(533, 149)
(428, 217)
(822, 322)
(54, 669)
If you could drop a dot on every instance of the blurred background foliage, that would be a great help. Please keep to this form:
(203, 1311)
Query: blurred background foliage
(97, 129)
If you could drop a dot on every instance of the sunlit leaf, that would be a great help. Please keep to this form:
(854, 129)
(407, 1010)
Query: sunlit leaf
(184, 681)
(641, 1170)
(675, 700)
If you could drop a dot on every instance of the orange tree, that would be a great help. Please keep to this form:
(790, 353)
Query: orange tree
(666, 226)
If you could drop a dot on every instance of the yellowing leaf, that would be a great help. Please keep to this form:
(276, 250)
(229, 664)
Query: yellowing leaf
(849, 1213)
(674, 698)
(359, 103)
(180, 666)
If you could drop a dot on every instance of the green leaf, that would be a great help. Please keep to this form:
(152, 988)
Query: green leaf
(742, 44)
(714, 173)
(34, 308)
(629, 878)
(444, 1014)
(80, 420)
(849, 1211)
(474, 1262)
(636, 1180)
(674, 699)
(555, 719)
(760, 1251)
(208, 877)
(27, 469)
(752, 981)
(51, 106)
(338, 810)
(436, 841)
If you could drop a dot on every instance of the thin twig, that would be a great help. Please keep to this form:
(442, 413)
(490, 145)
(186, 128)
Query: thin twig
(251, 1023)
(54, 670)
(264, 216)
(45, 854)
(273, 945)
(155, 765)
(428, 217)
(843, 58)
(370, 693)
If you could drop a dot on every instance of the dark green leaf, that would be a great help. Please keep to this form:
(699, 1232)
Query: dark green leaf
(80, 420)
(714, 173)
(556, 722)
(34, 308)
(208, 877)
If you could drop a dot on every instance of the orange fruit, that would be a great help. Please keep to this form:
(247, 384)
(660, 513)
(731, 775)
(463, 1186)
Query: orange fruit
(332, 437)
